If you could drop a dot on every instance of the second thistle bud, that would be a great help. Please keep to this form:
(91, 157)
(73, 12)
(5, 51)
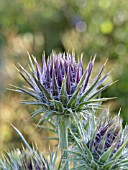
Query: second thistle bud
(61, 85)
(103, 145)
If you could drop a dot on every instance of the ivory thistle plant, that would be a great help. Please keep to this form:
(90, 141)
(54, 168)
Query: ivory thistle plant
(68, 100)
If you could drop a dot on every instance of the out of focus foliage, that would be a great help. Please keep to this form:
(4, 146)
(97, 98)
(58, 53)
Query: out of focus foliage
(92, 27)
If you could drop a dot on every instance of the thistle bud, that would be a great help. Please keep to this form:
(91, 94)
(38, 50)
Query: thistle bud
(61, 85)
(105, 146)
(25, 160)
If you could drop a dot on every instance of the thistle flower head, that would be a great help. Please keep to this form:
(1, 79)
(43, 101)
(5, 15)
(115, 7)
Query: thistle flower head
(25, 160)
(61, 85)
(107, 135)
(106, 146)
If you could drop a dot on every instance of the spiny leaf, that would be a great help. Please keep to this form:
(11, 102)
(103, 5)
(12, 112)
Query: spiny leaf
(37, 112)
(98, 91)
(20, 90)
(47, 128)
(90, 156)
(28, 74)
(79, 106)
(88, 73)
(43, 89)
(108, 165)
(31, 83)
(106, 155)
(54, 85)
(63, 93)
(75, 95)
(31, 63)
(118, 153)
(58, 105)
(94, 84)
(77, 142)
(75, 153)
(94, 165)
(46, 117)
(23, 139)
(34, 103)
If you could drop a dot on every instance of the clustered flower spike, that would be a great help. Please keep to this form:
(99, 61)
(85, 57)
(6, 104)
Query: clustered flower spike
(61, 84)
(106, 146)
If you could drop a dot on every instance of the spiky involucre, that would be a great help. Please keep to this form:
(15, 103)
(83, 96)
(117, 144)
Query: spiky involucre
(23, 160)
(103, 145)
(61, 85)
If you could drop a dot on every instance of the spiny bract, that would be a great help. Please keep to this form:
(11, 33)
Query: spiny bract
(23, 160)
(61, 85)
(103, 145)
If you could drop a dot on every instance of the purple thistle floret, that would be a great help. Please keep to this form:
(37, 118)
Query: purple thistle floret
(52, 73)
(61, 83)
(107, 135)
(24, 160)
(102, 144)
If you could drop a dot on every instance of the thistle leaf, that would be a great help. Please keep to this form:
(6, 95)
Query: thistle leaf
(22, 138)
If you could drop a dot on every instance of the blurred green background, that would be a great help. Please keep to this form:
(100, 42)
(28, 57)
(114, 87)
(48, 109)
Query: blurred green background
(92, 27)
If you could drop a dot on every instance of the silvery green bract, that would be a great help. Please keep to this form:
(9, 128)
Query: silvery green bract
(29, 158)
(102, 145)
(61, 85)
(69, 98)
(23, 160)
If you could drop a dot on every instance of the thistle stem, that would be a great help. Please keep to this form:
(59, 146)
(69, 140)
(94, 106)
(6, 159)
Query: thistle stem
(63, 141)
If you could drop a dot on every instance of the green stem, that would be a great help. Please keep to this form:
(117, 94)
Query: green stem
(63, 141)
